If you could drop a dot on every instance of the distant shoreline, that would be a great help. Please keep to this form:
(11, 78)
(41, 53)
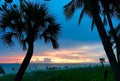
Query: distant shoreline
(13, 67)
(55, 63)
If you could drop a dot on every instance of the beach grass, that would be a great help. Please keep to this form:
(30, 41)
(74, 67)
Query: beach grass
(76, 74)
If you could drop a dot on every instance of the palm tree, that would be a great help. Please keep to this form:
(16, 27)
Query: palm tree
(109, 10)
(26, 24)
(109, 7)
(93, 6)
(105, 40)
(102, 61)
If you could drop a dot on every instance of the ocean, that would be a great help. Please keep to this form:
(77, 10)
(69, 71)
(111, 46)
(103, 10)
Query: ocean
(13, 67)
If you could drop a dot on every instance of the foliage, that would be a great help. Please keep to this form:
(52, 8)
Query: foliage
(102, 60)
(78, 74)
(24, 25)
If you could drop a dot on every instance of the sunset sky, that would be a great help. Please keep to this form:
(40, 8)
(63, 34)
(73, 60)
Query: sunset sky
(77, 43)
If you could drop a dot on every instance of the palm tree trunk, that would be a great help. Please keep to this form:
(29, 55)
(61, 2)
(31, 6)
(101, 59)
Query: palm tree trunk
(115, 37)
(102, 65)
(113, 32)
(105, 39)
(25, 62)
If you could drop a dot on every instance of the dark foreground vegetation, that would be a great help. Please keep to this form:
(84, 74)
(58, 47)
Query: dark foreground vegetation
(78, 74)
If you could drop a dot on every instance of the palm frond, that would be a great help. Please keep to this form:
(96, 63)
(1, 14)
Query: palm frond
(54, 43)
(10, 19)
(51, 34)
(81, 16)
(52, 40)
(28, 22)
(24, 44)
(8, 38)
(53, 29)
(69, 9)
(9, 1)
(50, 19)
(79, 3)
(102, 59)
(86, 9)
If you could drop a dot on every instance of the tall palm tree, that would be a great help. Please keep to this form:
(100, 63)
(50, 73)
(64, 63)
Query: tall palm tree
(102, 61)
(26, 24)
(105, 39)
(109, 10)
(94, 9)
(109, 7)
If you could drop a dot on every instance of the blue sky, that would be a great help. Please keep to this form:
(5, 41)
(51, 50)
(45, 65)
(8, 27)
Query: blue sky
(77, 42)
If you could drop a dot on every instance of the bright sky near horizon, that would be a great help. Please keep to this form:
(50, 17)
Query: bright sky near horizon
(77, 43)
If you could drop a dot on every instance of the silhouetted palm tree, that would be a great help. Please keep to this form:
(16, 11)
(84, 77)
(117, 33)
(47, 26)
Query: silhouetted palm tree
(110, 9)
(105, 39)
(26, 24)
(102, 61)
(93, 6)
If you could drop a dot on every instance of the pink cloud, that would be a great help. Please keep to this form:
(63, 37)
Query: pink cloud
(76, 54)
(11, 59)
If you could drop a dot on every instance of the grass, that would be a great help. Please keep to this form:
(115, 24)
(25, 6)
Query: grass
(78, 74)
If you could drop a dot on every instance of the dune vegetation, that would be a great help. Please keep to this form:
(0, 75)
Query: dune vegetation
(76, 74)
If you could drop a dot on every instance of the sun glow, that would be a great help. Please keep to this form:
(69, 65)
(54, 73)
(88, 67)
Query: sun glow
(11, 59)
(84, 54)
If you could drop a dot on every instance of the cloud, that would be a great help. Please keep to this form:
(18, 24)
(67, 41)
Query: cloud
(84, 53)
(47, 60)
(11, 59)
(79, 53)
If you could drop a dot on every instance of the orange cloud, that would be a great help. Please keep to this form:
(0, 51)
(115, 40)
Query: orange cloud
(78, 54)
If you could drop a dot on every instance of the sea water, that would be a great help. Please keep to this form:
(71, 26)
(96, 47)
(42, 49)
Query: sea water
(14, 67)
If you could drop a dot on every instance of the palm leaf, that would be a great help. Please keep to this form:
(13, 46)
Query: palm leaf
(81, 16)
(52, 40)
(69, 9)
(24, 44)
(7, 38)
(54, 43)
(9, 1)
(28, 25)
